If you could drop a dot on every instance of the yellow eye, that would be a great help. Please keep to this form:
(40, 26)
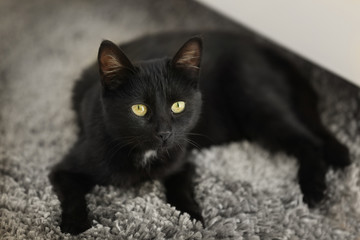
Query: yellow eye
(139, 109)
(178, 107)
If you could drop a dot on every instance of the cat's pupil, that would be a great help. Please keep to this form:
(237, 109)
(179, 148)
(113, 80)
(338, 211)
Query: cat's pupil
(178, 105)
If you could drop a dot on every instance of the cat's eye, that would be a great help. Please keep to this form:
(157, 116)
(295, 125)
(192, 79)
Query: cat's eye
(178, 107)
(139, 109)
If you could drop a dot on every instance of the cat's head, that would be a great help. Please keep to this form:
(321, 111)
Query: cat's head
(150, 106)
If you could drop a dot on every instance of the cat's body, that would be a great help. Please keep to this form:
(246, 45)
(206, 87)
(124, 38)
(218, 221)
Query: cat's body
(246, 90)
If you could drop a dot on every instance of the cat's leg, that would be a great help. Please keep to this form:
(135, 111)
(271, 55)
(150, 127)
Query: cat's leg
(287, 133)
(71, 188)
(336, 154)
(180, 191)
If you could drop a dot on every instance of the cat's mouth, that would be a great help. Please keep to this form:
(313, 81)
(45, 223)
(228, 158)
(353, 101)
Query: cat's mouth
(164, 142)
(163, 147)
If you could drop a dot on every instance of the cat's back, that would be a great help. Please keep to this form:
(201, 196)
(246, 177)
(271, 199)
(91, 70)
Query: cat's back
(216, 45)
(225, 54)
(222, 52)
(232, 65)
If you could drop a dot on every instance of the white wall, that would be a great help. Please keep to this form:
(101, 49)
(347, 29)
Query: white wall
(325, 31)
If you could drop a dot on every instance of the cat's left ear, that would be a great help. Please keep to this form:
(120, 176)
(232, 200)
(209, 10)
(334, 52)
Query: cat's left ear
(114, 66)
(188, 58)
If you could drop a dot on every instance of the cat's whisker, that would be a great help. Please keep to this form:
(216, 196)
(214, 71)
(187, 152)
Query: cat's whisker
(118, 146)
(200, 135)
(115, 150)
(180, 147)
(116, 143)
(192, 143)
(137, 144)
(116, 140)
(197, 134)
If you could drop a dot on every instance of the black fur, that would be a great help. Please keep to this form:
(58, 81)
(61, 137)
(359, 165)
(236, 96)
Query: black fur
(243, 91)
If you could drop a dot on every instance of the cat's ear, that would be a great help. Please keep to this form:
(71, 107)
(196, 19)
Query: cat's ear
(114, 66)
(188, 57)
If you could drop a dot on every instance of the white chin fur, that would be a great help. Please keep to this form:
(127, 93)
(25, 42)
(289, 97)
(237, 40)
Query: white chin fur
(148, 156)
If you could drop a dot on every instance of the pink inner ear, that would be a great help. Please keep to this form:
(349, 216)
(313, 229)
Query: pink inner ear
(109, 64)
(189, 56)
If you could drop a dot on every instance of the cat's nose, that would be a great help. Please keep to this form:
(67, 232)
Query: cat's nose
(164, 135)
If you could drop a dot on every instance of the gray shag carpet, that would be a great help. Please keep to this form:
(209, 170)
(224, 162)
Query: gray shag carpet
(245, 192)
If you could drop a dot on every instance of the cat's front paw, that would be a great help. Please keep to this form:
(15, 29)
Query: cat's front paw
(337, 155)
(195, 213)
(313, 194)
(197, 216)
(74, 226)
(313, 186)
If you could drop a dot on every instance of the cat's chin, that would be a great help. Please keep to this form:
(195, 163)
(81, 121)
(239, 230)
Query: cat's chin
(164, 149)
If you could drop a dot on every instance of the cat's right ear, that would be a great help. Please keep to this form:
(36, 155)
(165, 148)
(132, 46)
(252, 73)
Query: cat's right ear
(114, 66)
(188, 58)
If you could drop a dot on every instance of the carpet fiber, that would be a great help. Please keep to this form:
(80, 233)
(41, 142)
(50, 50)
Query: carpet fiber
(245, 192)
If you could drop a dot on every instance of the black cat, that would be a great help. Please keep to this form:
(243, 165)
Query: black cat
(139, 118)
